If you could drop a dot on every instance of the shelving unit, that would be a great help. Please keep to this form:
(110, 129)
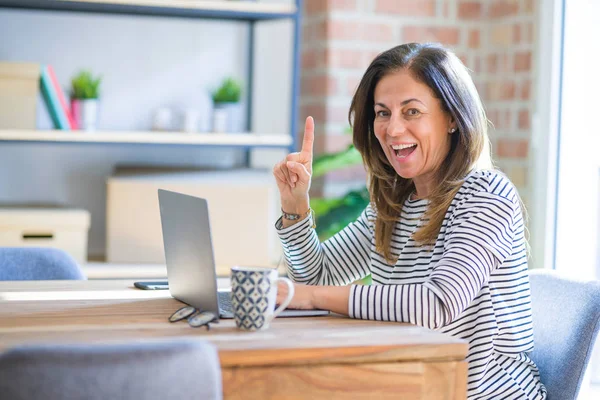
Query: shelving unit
(237, 10)
(79, 180)
(175, 138)
(244, 11)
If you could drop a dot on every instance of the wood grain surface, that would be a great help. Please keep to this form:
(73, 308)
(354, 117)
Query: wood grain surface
(317, 357)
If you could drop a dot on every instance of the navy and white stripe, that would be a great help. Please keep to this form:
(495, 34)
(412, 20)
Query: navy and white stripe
(473, 283)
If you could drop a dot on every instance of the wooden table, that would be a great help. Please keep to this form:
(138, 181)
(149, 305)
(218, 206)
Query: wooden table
(329, 357)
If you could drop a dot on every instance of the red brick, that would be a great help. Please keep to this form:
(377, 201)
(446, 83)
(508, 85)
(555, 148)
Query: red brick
(312, 7)
(500, 91)
(501, 119)
(492, 63)
(344, 58)
(420, 8)
(525, 90)
(478, 65)
(474, 39)
(314, 32)
(317, 111)
(469, 10)
(445, 35)
(517, 37)
(498, 63)
(524, 120)
(512, 148)
(507, 117)
(503, 8)
(522, 61)
(343, 30)
(319, 85)
(309, 59)
(378, 32)
(341, 4)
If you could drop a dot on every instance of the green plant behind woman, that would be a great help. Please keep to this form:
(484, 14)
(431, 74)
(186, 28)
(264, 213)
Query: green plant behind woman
(333, 214)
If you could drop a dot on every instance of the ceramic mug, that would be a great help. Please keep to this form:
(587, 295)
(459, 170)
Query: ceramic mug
(253, 296)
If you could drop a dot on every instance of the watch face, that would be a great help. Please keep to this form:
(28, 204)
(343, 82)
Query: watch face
(182, 313)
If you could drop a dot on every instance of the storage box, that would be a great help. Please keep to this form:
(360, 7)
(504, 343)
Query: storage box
(243, 207)
(19, 83)
(50, 226)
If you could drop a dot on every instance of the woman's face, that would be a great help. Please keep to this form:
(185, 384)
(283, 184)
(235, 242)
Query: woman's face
(412, 128)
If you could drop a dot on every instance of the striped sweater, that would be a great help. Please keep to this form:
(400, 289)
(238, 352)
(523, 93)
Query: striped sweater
(472, 284)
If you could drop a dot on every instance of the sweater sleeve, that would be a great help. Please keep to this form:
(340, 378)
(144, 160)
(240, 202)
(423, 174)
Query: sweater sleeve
(478, 239)
(341, 260)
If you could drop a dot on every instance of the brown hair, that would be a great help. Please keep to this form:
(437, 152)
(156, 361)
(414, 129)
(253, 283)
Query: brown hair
(450, 82)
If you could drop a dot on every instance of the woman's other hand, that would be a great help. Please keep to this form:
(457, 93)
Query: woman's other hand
(303, 296)
(293, 174)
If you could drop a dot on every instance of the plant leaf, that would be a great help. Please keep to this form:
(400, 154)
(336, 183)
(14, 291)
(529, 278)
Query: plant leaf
(333, 161)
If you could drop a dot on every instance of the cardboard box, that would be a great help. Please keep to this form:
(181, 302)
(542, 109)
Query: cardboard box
(46, 226)
(19, 83)
(243, 207)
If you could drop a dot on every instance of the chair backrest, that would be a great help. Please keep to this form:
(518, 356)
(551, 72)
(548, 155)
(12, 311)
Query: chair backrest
(174, 369)
(566, 318)
(37, 263)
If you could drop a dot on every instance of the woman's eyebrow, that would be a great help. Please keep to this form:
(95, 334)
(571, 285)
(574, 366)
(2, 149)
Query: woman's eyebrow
(405, 102)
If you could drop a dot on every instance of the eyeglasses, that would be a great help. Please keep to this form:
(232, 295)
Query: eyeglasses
(196, 318)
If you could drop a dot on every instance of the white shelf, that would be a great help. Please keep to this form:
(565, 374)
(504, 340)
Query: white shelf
(224, 9)
(224, 5)
(205, 139)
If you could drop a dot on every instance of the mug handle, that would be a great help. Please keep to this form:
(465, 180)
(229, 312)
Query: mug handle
(288, 299)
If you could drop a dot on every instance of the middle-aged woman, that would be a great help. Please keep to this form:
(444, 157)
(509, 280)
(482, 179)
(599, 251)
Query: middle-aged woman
(443, 235)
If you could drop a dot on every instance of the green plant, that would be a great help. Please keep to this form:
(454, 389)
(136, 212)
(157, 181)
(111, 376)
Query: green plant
(333, 214)
(85, 86)
(230, 91)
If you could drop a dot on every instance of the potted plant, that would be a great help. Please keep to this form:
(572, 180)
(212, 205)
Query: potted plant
(227, 110)
(84, 100)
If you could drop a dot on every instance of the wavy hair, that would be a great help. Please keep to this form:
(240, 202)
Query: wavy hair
(450, 82)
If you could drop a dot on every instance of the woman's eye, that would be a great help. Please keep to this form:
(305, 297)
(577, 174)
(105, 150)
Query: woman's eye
(413, 112)
(381, 113)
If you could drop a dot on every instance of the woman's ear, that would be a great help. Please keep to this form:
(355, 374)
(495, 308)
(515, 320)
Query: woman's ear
(452, 126)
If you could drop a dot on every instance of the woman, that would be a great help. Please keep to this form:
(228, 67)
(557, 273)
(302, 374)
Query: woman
(443, 237)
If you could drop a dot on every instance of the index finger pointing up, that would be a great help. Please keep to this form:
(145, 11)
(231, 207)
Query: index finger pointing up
(309, 138)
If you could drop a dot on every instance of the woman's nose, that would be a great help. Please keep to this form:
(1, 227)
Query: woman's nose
(397, 126)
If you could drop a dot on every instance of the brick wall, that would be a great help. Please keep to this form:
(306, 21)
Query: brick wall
(494, 38)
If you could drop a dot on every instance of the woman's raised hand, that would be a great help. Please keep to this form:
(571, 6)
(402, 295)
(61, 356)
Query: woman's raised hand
(293, 174)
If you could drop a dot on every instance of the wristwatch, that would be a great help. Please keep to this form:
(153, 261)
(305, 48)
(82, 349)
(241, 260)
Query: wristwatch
(297, 217)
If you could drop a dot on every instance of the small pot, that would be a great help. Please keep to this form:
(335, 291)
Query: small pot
(85, 113)
(228, 117)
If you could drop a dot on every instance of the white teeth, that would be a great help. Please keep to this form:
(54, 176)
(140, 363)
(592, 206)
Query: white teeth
(402, 146)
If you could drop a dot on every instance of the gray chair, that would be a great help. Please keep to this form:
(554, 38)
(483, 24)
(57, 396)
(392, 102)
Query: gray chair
(174, 369)
(566, 318)
(37, 263)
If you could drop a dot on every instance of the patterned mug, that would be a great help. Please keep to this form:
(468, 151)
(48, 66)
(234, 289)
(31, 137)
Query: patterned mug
(253, 296)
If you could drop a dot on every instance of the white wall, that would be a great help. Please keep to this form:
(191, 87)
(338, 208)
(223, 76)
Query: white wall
(146, 63)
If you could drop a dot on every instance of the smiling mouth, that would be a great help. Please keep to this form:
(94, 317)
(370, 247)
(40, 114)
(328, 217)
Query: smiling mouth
(403, 151)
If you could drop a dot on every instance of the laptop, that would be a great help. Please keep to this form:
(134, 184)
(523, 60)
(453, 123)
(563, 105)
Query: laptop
(189, 256)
